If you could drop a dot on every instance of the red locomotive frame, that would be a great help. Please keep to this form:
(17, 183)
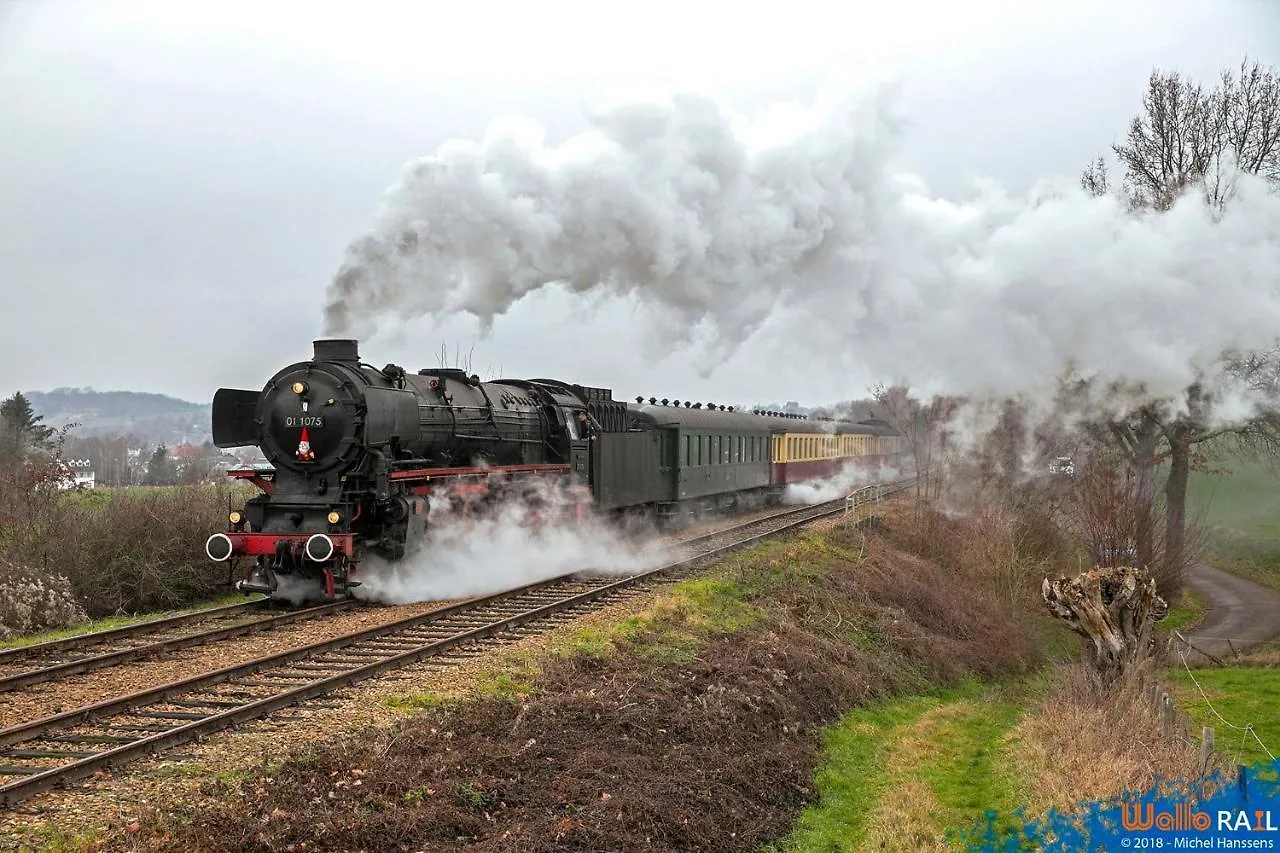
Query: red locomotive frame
(470, 484)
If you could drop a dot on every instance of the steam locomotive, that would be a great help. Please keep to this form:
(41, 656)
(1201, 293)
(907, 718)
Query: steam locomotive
(358, 455)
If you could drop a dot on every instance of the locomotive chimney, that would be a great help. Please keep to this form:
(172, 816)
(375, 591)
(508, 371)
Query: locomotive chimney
(336, 349)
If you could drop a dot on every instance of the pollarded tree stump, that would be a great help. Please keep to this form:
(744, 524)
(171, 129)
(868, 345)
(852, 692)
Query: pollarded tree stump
(1115, 609)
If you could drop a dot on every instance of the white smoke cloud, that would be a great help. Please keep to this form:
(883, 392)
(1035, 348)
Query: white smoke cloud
(853, 475)
(298, 590)
(795, 232)
(513, 546)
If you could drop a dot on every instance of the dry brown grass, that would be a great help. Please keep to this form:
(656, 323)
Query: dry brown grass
(910, 816)
(1084, 743)
(1003, 550)
(905, 819)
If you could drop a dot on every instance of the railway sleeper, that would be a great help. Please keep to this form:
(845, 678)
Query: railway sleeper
(44, 753)
(91, 739)
(131, 727)
(271, 685)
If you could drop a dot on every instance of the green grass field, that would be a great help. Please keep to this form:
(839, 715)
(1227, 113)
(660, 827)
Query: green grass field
(1241, 511)
(1244, 697)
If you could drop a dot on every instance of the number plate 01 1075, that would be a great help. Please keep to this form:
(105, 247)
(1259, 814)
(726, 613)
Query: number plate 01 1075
(304, 421)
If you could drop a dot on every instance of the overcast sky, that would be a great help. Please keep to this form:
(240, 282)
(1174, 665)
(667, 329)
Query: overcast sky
(181, 179)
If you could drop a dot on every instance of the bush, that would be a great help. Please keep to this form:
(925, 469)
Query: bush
(31, 602)
(122, 550)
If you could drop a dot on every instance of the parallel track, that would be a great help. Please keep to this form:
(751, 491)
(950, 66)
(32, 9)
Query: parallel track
(56, 665)
(113, 732)
(126, 632)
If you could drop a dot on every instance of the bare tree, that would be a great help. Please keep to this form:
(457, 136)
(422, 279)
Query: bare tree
(922, 430)
(1189, 138)
(1095, 179)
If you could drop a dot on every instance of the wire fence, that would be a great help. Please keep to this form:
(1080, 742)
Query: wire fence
(1178, 724)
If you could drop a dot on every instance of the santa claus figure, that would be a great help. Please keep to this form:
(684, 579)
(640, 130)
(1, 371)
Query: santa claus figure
(304, 448)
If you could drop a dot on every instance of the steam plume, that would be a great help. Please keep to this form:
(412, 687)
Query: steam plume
(795, 230)
(851, 476)
(506, 549)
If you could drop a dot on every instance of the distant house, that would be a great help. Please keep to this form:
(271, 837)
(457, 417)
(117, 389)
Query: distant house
(77, 474)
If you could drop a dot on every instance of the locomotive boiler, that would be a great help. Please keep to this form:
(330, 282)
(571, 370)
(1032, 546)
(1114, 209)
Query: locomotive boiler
(354, 450)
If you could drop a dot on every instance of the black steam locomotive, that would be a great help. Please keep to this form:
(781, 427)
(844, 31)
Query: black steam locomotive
(357, 453)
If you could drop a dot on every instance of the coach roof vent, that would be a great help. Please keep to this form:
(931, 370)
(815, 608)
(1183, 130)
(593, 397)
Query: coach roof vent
(336, 349)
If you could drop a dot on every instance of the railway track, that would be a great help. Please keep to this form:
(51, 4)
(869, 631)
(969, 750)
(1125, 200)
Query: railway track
(30, 665)
(61, 748)
(27, 665)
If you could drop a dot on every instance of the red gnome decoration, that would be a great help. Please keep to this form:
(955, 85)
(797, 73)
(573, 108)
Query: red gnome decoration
(304, 448)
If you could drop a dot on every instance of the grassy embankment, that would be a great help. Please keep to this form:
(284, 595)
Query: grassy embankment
(698, 722)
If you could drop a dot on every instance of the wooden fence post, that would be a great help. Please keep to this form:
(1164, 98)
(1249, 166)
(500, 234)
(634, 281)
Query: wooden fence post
(1206, 747)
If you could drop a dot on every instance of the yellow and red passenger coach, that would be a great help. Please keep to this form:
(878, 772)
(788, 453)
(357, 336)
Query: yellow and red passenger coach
(815, 449)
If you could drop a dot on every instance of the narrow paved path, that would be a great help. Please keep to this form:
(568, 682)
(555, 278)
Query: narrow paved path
(1239, 613)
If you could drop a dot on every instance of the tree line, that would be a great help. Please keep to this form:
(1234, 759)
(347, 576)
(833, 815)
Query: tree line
(115, 460)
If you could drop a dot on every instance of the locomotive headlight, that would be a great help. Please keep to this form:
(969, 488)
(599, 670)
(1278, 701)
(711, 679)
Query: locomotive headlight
(334, 517)
(299, 387)
(319, 547)
(235, 517)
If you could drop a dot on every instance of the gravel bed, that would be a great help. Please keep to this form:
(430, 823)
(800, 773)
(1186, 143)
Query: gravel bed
(111, 802)
(52, 697)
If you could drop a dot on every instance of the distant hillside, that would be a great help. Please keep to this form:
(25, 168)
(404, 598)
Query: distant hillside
(152, 418)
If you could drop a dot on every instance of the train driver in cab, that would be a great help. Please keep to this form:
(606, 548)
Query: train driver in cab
(586, 429)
